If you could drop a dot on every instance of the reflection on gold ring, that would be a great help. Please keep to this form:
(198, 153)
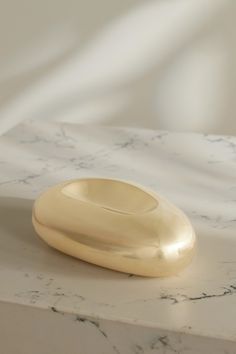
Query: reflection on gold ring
(115, 224)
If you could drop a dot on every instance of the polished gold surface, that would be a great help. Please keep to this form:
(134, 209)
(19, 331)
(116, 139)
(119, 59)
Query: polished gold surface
(115, 224)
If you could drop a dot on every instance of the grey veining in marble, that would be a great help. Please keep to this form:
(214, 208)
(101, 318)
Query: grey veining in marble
(193, 312)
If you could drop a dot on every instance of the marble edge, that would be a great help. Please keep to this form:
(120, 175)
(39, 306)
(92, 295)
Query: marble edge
(90, 317)
(32, 122)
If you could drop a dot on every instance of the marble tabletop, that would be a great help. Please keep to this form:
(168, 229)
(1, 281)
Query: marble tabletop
(196, 172)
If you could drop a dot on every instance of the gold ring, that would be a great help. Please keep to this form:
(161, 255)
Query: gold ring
(115, 224)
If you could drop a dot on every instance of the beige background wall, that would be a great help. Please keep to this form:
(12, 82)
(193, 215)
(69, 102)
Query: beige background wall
(165, 64)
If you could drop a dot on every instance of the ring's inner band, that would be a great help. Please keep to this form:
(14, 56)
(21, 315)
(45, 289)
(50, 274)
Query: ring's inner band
(117, 196)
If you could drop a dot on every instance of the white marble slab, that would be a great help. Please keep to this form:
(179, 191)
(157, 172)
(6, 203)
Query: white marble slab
(193, 312)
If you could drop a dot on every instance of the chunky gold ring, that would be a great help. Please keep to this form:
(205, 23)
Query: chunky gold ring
(115, 224)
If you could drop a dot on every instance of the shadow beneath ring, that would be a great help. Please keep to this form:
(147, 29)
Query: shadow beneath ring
(21, 248)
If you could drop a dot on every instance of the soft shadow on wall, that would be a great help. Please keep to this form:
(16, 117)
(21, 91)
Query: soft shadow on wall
(158, 64)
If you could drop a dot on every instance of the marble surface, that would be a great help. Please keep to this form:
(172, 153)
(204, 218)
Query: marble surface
(193, 312)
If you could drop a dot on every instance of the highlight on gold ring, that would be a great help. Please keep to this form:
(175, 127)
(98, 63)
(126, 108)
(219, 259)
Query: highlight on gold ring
(115, 224)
